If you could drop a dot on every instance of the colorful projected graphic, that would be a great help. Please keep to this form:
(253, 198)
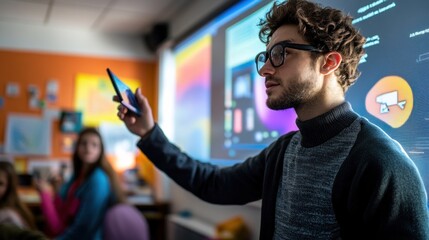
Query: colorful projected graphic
(249, 124)
(280, 121)
(220, 108)
(391, 101)
(254, 125)
(192, 117)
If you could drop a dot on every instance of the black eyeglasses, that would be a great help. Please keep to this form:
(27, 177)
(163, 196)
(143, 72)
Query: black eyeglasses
(277, 54)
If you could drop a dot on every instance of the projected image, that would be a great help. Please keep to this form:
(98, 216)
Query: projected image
(249, 125)
(394, 72)
(192, 110)
(221, 99)
(392, 90)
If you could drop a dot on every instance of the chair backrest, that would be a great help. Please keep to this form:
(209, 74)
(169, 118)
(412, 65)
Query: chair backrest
(124, 221)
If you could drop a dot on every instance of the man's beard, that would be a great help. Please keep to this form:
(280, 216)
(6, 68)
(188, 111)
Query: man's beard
(292, 97)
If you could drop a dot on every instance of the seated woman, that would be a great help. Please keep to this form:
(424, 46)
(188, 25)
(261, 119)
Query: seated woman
(77, 211)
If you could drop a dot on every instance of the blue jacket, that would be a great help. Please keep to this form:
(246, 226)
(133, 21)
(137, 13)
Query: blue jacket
(94, 196)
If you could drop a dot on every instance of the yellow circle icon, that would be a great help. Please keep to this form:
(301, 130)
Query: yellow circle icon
(390, 100)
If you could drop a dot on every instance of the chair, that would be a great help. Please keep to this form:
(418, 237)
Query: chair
(124, 221)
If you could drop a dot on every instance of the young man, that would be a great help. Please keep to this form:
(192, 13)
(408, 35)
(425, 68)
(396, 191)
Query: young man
(339, 176)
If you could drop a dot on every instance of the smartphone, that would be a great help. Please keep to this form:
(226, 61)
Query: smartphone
(124, 93)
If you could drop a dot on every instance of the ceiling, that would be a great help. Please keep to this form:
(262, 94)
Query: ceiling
(133, 17)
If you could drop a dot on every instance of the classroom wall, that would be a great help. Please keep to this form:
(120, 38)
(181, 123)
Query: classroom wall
(26, 68)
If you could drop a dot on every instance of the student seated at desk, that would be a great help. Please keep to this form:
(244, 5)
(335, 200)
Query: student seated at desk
(77, 211)
(12, 210)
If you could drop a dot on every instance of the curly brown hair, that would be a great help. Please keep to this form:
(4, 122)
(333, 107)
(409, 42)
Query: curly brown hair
(325, 28)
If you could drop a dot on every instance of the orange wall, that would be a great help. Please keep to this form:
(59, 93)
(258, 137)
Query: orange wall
(35, 68)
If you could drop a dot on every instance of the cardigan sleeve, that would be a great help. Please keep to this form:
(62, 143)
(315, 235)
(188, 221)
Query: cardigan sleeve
(238, 184)
(379, 193)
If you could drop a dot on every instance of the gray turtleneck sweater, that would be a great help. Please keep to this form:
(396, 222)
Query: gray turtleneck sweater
(304, 208)
(339, 176)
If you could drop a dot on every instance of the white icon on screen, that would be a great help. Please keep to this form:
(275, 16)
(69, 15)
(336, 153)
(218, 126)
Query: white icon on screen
(389, 99)
(423, 57)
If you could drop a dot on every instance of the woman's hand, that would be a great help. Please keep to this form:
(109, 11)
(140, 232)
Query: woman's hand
(56, 181)
(44, 186)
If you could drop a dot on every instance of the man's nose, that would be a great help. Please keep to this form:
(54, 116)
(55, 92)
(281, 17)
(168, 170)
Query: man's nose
(266, 69)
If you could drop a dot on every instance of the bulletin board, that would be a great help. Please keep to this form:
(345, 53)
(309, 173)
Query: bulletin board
(39, 86)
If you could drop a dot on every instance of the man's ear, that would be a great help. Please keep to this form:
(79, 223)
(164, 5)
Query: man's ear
(332, 61)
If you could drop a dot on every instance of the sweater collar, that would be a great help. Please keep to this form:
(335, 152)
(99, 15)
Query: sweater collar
(321, 128)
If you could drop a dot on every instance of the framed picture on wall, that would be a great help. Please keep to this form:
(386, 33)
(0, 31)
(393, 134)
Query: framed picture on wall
(70, 121)
(28, 135)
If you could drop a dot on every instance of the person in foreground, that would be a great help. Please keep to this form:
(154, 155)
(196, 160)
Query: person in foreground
(16, 219)
(339, 176)
(77, 211)
(12, 210)
(13, 232)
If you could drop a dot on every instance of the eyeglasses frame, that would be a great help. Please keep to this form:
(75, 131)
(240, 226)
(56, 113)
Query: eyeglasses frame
(286, 44)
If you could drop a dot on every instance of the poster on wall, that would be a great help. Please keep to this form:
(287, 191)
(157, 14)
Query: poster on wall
(52, 88)
(93, 97)
(28, 135)
(12, 89)
(70, 121)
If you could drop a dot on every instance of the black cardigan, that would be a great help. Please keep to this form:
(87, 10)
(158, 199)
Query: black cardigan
(377, 193)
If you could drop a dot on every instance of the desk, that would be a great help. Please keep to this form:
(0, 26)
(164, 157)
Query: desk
(156, 216)
(189, 228)
(155, 212)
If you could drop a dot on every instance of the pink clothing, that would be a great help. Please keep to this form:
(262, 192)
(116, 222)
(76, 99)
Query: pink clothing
(78, 211)
(58, 213)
